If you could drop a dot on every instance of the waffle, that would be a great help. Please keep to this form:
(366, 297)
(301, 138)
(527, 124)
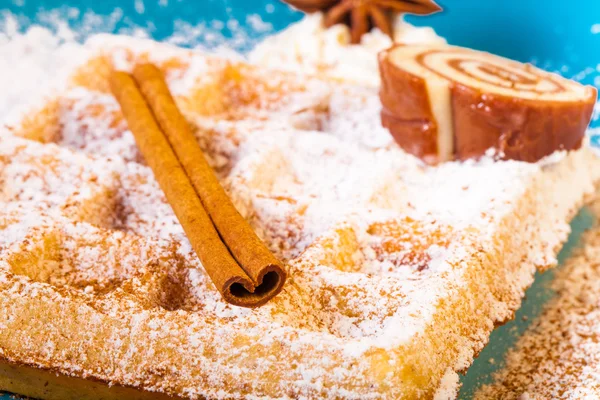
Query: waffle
(558, 357)
(397, 271)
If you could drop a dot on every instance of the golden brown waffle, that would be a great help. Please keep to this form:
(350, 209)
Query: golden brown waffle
(398, 272)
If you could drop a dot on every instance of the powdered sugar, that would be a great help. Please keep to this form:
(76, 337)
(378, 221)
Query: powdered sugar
(558, 356)
(32, 64)
(382, 250)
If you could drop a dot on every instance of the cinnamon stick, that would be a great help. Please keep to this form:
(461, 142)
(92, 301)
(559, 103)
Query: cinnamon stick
(239, 264)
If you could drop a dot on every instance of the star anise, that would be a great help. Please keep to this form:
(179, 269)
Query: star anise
(362, 15)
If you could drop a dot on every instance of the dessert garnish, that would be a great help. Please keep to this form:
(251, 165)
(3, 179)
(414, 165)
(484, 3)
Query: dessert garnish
(444, 102)
(362, 15)
(399, 273)
(240, 265)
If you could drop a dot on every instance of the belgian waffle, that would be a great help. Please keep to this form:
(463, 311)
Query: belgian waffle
(397, 271)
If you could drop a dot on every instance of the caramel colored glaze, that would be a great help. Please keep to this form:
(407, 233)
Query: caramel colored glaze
(403, 94)
(407, 112)
(520, 129)
(418, 137)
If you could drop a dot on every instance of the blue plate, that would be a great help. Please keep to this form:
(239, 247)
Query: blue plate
(557, 35)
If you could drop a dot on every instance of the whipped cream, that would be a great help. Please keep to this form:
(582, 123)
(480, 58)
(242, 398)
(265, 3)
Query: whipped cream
(308, 47)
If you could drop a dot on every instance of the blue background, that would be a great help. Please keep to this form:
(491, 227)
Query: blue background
(554, 34)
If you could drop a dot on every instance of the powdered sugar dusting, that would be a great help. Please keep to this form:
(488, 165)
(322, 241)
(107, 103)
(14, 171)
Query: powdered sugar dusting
(41, 59)
(558, 356)
(382, 251)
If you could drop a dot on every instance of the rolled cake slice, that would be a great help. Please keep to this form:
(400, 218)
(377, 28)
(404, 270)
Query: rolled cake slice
(443, 102)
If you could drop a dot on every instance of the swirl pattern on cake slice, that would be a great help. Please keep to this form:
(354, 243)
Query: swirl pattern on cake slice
(445, 102)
